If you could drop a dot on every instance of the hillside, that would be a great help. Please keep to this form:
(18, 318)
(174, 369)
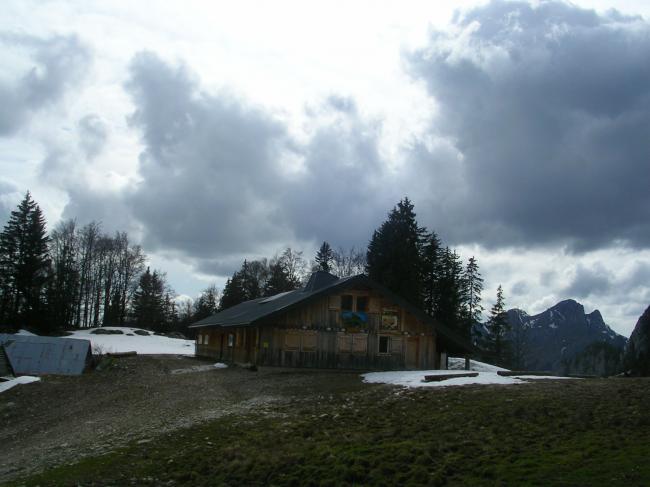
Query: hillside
(297, 427)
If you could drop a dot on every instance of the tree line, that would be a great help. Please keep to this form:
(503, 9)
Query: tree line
(79, 277)
(76, 277)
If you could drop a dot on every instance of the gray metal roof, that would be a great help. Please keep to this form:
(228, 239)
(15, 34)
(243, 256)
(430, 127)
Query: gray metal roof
(248, 312)
(261, 310)
(38, 355)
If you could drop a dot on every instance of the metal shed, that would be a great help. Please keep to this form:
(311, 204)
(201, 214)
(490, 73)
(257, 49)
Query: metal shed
(38, 355)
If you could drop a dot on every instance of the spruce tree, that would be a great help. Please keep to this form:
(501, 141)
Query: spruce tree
(233, 292)
(393, 256)
(149, 302)
(250, 282)
(278, 281)
(498, 327)
(24, 266)
(430, 273)
(324, 258)
(207, 303)
(473, 283)
(451, 307)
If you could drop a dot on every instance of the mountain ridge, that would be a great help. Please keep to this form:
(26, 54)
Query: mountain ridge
(563, 339)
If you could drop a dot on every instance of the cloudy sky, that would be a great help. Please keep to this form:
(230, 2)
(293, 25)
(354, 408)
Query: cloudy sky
(213, 133)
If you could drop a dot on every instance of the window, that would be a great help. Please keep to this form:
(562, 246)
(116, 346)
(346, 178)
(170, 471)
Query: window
(231, 339)
(384, 344)
(346, 302)
(205, 339)
(362, 303)
(335, 301)
(199, 339)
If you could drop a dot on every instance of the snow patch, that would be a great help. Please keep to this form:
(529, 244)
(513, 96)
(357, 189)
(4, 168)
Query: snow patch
(23, 379)
(143, 345)
(474, 365)
(25, 333)
(200, 368)
(415, 378)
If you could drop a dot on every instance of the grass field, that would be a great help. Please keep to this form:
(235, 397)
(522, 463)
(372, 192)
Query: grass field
(579, 432)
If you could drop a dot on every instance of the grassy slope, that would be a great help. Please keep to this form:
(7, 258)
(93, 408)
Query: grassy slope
(591, 432)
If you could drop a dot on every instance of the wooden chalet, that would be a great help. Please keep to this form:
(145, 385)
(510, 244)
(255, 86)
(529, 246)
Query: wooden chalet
(352, 323)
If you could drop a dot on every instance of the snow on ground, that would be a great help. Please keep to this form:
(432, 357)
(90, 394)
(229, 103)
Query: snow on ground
(25, 333)
(200, 368)
(143, 345)
(474, 365)
(414, 378)
(487, 374)
(23, 379)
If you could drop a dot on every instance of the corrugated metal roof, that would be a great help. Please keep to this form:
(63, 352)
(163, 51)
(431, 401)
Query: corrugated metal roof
(37, 355)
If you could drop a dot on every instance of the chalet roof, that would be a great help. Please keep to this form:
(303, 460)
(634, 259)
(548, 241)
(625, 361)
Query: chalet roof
(320, 284)
(36, 355)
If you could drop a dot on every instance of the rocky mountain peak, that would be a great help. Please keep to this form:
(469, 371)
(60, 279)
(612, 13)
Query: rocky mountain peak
(595, 318)
(564, 337)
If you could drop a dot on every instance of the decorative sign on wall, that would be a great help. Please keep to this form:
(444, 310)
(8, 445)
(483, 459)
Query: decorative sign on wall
(389, 319)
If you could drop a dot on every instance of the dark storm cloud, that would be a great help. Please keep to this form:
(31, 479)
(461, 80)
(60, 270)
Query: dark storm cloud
(549, 108)
(217, 185)
(589, 281)
(210, 169)
(341, 193)
(55, 65)
(519, 288)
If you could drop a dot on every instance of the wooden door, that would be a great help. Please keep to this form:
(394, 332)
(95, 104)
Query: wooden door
(412, 355)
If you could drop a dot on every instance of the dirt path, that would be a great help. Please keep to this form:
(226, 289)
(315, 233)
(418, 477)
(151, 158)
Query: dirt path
(61, 419)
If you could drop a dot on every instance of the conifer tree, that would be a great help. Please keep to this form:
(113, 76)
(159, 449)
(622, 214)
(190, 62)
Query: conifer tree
(393, 256)
(324, 258)
(473, 283)
(207, 303)
(250, 282)
(430, 273)
(151, 302)
(233, 292)
(278, 281)
(451, 307)
(24, 265)
(498, 327)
